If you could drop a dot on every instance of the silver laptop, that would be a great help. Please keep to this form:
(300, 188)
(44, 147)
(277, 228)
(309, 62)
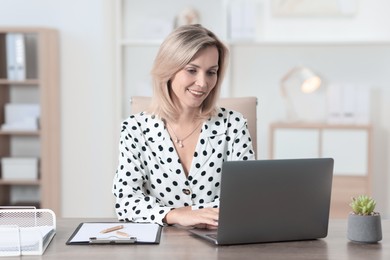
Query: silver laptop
(273, 200)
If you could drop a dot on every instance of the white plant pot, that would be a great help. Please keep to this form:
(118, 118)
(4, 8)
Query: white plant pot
(364, 229)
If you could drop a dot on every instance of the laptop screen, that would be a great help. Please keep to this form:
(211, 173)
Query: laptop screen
(274, 200)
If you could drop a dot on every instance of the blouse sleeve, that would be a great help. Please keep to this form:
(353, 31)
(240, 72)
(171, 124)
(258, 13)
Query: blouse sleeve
(132, 203)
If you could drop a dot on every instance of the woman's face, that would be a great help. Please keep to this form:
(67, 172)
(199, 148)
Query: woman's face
(191, 85)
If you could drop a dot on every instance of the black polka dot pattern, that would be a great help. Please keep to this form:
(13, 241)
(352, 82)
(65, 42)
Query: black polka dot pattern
(150, 181)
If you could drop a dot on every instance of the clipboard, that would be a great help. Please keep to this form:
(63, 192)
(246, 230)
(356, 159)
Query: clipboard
(89, 233)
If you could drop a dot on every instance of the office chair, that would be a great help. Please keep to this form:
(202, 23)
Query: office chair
(247, 106)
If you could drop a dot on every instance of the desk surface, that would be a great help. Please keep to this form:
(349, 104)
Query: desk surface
(178, 243)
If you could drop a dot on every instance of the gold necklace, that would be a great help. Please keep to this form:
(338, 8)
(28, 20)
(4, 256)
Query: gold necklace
(180, 141)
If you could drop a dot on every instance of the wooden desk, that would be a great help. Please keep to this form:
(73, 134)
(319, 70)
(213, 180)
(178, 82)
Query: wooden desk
(177, 243)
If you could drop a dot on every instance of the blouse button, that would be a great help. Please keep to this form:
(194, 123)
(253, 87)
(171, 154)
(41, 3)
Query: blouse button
(186, 191)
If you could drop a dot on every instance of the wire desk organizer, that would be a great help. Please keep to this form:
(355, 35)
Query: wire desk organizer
(25, 231)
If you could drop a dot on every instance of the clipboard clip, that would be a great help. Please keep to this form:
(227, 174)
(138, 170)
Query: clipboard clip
(112, 240)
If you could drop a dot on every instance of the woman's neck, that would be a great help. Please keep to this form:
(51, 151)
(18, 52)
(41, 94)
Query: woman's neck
(186, 117)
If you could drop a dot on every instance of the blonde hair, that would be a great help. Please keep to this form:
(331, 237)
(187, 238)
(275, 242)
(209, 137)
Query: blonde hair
(177, 50)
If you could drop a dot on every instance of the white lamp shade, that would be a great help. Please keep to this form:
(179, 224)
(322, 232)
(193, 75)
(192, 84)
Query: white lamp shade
(310, 81)
(304, 102)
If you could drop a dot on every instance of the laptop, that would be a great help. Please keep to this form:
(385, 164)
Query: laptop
(272, 201)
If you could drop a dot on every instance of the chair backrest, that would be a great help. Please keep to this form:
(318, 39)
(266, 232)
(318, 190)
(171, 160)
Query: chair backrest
(247, 106)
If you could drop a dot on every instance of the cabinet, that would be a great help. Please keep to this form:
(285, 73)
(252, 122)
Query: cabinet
(348, 145)
(40, 87)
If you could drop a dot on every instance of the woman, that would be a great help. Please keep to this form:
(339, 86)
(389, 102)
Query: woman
(171, 156)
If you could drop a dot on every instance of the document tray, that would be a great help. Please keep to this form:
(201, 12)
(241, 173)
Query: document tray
(26, 231)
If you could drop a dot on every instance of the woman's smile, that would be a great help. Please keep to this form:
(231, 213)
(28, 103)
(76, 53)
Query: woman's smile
(192, 84)
(197, 92)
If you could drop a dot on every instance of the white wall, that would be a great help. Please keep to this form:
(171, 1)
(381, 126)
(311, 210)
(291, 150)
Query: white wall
(352, 50)
(369, 22)
(87, 102)
(367, 63)
(89, 127)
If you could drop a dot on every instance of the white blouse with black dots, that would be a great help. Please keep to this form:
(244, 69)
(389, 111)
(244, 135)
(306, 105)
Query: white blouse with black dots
(150, 180)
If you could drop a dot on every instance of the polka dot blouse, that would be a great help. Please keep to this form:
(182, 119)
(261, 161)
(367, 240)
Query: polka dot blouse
(150, 180)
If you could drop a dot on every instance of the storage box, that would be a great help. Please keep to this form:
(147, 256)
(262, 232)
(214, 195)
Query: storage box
(22, 117)
(19, 168)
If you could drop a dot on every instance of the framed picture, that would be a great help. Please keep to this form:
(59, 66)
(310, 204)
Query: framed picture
(320, 8)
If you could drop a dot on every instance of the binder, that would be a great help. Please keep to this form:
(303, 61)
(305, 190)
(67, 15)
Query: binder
(31, 58)
(10, 53)
(88, 233)
(16, 56)
(20, 56)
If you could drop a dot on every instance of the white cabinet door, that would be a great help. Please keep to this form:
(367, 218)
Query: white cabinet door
(296, 143)
(349, 148)
(349, 145)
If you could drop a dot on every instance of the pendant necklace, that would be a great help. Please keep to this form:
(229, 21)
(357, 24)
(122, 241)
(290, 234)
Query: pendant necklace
(180, 141)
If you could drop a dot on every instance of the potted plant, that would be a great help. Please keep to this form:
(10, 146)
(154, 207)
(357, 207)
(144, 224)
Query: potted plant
(364, 224)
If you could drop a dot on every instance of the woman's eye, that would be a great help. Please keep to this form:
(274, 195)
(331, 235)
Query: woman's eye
(191, 71)
(212, 73)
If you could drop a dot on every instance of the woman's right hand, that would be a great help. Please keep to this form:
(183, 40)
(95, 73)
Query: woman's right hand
(206, 217)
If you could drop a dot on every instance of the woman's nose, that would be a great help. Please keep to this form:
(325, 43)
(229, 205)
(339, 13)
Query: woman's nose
(201, 80)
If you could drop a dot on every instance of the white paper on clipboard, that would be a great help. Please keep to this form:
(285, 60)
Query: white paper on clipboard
(144, 232)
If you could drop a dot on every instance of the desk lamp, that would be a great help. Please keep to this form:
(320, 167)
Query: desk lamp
(306, 82)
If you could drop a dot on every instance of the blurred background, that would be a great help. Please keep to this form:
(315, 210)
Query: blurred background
(106, 50)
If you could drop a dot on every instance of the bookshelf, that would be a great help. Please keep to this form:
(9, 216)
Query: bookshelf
(38, 86)
(349, 146)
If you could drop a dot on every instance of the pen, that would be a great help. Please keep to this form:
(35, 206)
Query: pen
(111, 229)
(123, 234)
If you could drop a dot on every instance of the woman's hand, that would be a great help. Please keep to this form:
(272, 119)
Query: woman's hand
(205, 218)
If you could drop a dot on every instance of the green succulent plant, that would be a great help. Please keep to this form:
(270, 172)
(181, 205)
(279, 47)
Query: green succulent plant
(363, 205)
